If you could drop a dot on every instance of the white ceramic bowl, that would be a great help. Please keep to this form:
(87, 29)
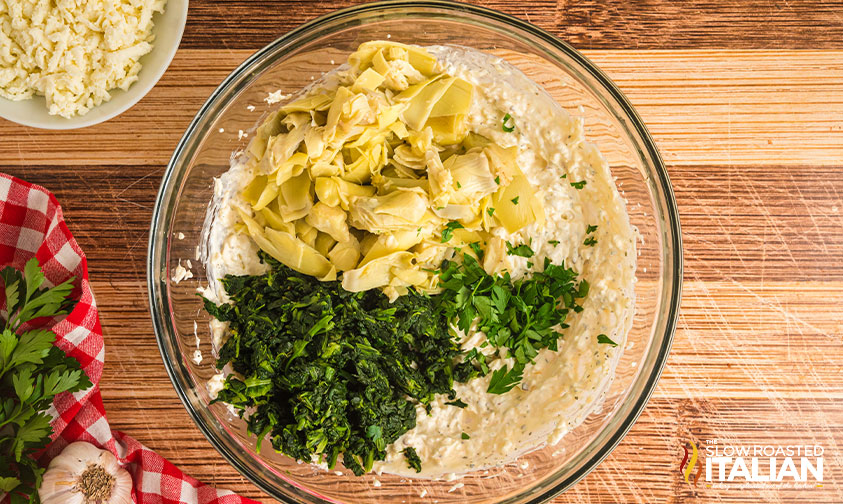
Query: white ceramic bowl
(168, 30)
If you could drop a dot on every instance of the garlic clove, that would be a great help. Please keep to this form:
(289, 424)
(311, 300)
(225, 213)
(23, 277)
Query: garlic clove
(84, 474)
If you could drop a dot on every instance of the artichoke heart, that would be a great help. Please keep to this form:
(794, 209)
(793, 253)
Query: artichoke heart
(516, 205)
(360, 173)
(377, 273)
(471, 175)
(296, 254)
(345, 255)
(401, 209)
(330, 220)
(295, 198)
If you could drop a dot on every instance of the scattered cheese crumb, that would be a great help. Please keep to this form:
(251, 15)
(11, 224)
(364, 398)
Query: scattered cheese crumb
(338, 473)
(250, 108)
(276, 96)
(423, 493)
(456, 487)
(222, 130)
(197, 357)
(376, 483)
(71, 52)
(241, 135)
(181, 273)
(215, 384)
(180, 236)
(524, 465)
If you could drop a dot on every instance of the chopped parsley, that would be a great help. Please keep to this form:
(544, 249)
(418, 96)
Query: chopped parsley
(578, 185)
(564, 175)
(465, 436)
(553, 242)
(518, 317)
(603, 339)
(503, 380)
(448, 232)
(458, 403)
(498, 180)
(490, 211)
(521, 250)
(590, 241)
(508, 119)
(515, 200)
(590, 229)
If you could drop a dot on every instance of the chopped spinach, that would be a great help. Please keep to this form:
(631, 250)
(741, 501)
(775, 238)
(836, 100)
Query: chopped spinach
(324, 371)
(413, 460)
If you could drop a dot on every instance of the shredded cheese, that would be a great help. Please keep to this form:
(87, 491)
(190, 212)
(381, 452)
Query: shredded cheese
(74, 53)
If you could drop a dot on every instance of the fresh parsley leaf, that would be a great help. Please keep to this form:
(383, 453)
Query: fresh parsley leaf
(515, 200)
(490, 211)
(590, 229)
(603, 339)
(578, 185)
(448, 232)
(32, 373)
(459, 186)
(478, 250)
(498, 180)
(564, 175)
(8, 484)
(553, 242)
(590, 241)
(465, 436)
(504, 379)
(521, 250)
(413, 460)
(509, 128)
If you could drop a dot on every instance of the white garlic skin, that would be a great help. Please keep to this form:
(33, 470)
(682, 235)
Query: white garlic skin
(63, 473)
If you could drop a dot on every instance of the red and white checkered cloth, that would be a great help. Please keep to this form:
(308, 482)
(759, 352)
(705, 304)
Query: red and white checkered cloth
(31, 224)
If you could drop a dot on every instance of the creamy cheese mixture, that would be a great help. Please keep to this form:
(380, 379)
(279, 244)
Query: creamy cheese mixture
(74, 53)
(562, 387)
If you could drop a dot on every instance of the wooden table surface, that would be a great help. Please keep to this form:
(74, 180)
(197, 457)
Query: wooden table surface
(745, 101)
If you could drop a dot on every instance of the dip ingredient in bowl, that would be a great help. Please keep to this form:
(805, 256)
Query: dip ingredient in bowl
(73, 53)
(442, 176)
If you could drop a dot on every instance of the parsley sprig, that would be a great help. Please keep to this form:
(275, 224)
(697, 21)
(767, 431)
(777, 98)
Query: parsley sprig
(518, 317)
(32, 372)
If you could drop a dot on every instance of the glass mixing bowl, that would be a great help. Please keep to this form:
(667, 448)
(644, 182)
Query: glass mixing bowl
(292, 62)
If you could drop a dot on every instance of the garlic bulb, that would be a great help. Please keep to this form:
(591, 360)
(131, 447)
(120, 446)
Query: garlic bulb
(84, 474)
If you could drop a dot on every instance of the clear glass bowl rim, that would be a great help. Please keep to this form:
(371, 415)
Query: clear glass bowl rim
(171, 180)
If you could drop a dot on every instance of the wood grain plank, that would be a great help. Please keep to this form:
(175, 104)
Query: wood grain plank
(587, 24)
(702, 107)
